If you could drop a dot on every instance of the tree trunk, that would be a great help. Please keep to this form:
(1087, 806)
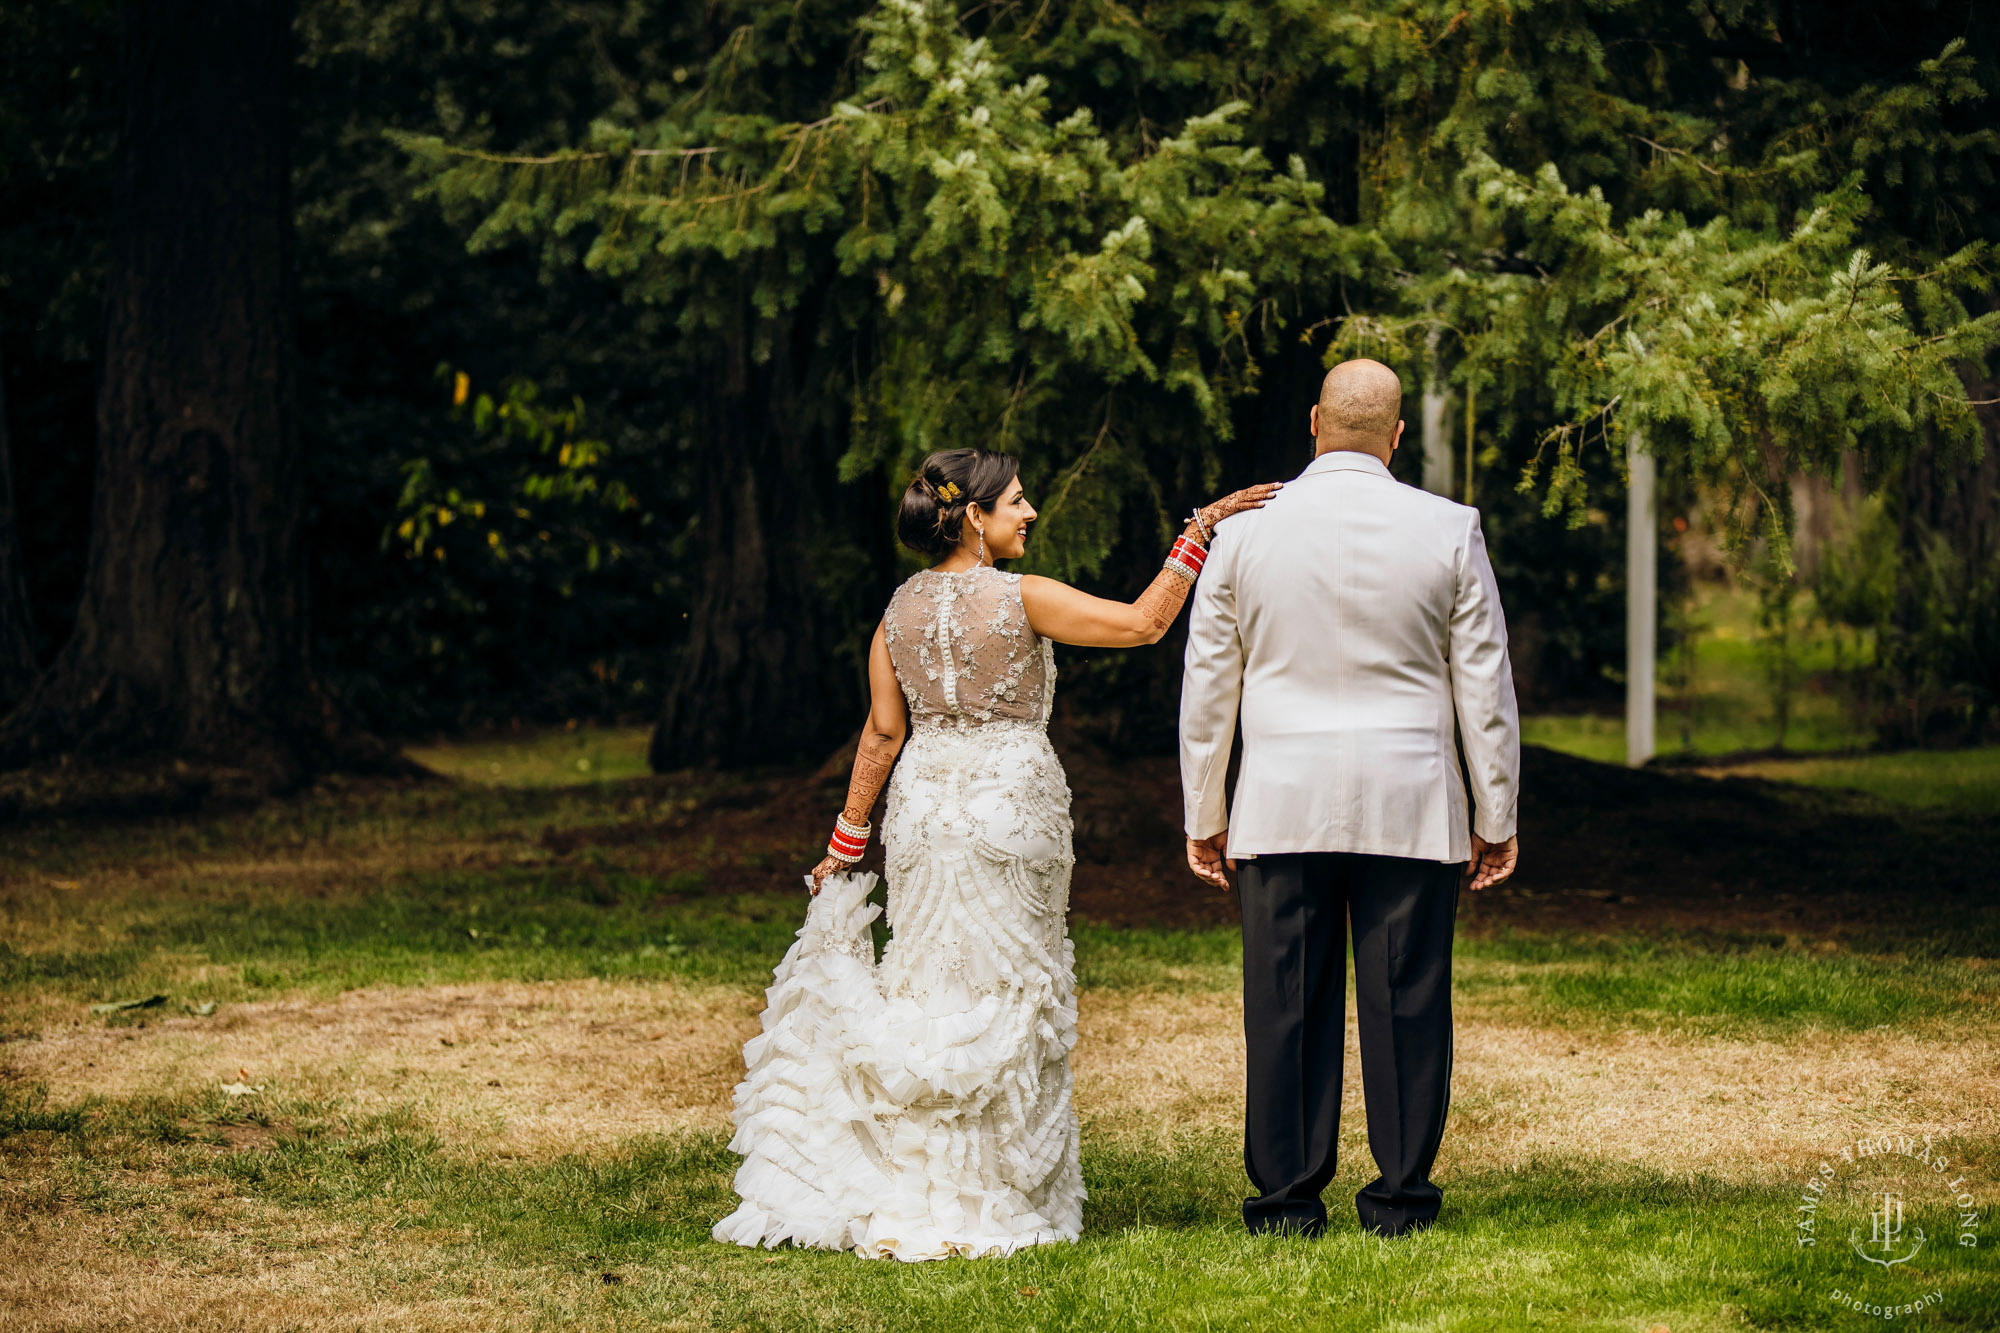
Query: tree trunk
(190, 640)
(17, 631)
(792, 562)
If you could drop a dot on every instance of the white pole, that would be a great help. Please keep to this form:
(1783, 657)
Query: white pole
(1435, 425)
(1437, 441)
(1642, 593)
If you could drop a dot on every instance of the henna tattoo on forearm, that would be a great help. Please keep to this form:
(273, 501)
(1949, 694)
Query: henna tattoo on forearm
(872, 762)
(1166, 594)
(1163, 598)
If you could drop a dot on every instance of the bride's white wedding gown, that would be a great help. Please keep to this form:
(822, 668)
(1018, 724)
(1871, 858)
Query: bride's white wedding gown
(919, 1107)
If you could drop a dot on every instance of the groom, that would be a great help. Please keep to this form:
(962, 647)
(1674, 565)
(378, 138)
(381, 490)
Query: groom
(1354, 626)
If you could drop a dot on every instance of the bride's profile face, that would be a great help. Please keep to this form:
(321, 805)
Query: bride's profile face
(1006, 527)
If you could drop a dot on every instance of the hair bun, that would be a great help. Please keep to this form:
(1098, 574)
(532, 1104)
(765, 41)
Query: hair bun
(932, 514)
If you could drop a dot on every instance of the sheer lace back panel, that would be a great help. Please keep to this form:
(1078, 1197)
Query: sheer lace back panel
(964, 652)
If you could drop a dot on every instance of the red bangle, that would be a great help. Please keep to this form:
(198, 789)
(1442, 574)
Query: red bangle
(849, 842)
(1187, 558)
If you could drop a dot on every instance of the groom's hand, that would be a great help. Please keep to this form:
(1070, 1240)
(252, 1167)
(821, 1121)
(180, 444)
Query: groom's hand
(1492, 862)
(1206, 860)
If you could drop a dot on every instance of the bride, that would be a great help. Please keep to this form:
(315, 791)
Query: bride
(919, 1107)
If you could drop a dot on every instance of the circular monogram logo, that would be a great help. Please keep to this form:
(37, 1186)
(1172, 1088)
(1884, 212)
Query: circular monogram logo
(1879, 1210)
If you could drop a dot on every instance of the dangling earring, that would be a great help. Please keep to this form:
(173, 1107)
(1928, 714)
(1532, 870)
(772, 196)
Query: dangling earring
(982, 545)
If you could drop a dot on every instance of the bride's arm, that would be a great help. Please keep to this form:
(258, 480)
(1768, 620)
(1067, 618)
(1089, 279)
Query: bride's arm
(1069, 615)
(881, 740)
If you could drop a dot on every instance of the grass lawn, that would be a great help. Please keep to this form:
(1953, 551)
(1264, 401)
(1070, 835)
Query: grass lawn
(555, 758)
(1726, 709)
(1963, 780)
(464, 1069)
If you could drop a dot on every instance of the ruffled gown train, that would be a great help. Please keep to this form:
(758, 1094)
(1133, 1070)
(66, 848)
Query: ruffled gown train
(919, 1107)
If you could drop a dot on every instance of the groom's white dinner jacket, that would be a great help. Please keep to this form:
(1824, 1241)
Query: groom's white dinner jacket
(1353, 620)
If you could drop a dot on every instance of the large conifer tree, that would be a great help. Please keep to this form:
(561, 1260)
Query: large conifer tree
(17, 635)
(190, 641)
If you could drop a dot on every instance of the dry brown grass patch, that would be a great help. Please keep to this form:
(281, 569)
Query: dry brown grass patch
(517, 1068)
(242, 1266)
(532, 1070)
(1149, 1065)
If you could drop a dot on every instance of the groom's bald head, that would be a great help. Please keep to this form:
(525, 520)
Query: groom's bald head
(1360, 407)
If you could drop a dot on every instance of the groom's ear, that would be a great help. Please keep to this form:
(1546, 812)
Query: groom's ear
(1395, 443)
(1312, 421)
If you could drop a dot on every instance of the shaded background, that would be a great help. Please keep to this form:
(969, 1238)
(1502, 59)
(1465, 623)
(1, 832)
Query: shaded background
(601, 614)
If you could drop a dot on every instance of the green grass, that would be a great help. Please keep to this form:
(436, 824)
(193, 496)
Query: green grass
(1729, 986)
(1115, 958)
(1957, 781)
(359, 829)
(421, 930)
(1963, 781)
(1762, 988)
(1585, 735)
(1559, 1244)
(228, 946)
(552, 758)
(527, 925)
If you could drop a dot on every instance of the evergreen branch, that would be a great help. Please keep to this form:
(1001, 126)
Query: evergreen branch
(1077, 471)
(554, 159)
(798, 132)
(1675, 152)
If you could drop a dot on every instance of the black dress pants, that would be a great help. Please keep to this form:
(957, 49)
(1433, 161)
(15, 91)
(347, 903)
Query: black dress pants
(1295, 912)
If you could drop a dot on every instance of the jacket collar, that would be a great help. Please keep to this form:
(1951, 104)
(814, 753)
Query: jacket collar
(1346, 460)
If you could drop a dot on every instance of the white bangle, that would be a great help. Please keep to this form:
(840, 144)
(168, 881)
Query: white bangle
(850, 840)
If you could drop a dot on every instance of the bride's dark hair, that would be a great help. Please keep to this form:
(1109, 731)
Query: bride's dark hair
(932, 516)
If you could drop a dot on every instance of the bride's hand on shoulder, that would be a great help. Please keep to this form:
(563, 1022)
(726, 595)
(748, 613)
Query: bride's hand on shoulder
(1250, 497)
(830, 865)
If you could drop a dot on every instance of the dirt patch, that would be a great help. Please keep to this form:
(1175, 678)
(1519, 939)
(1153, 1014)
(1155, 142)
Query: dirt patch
(1607, 849)
(251, 1136)
(526, 1069)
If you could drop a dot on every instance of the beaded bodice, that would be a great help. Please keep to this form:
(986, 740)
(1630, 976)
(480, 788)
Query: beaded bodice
(964, 652)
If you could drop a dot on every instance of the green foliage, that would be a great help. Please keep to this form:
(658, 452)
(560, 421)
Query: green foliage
(1745, 346)
(1778, 632)
(1085, 239)
(388, 292)
(526, 488)
(1111, 241)
(1931, 606)
(1724, 345)
(1028, 279)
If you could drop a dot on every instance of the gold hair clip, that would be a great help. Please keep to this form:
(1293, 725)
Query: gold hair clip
(949, 492)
